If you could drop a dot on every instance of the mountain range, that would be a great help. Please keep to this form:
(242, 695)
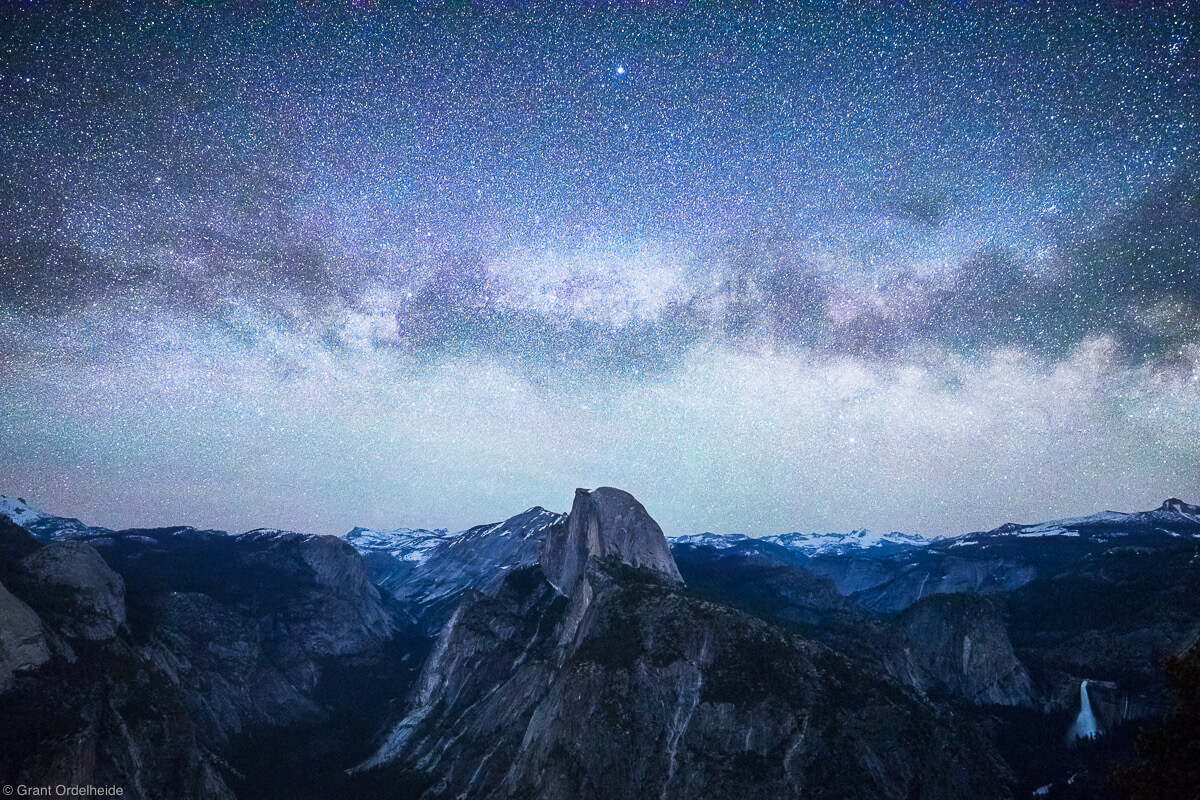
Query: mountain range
(588, 655)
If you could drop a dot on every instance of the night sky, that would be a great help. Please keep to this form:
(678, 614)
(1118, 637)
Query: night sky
(922, 267)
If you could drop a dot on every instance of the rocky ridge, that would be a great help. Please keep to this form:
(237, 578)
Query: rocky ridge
(596, 674)
(605, 523)
(143, 658)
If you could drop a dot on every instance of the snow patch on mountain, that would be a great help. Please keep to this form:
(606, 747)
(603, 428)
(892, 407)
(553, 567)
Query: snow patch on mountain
(46, 526)
(416, 545)
(1168, 518)
(1059, 527)
(1176, 507)
(20, 512)
(814, 544)
(406, 544)
(718, 540)
(811, 544)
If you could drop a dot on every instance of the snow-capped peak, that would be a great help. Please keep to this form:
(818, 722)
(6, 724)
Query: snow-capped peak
(810, 544)
(1174, 517)
(530, 522)
(717, 540)
(406, 544)
(1174, 505)
(417, 544)
(46, 526)
(813, 544)
(20, 512)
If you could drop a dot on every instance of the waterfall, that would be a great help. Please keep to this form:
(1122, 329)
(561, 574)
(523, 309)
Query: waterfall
(1084, 726)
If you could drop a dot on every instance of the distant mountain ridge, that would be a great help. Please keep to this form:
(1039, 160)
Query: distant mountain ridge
(812, 544)
(43, 525)
(415, 546)
(428, 571)
(418, 544)
(1174, 518)
(405, 544)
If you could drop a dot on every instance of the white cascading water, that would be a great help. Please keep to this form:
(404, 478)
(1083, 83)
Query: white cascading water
(1084, 726)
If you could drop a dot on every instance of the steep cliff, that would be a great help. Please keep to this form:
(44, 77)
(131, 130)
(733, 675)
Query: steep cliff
(23, 642)
(959, 648)
(605, 523)
(607, 678)
(428, 577)
(150, 667)
(76, 590)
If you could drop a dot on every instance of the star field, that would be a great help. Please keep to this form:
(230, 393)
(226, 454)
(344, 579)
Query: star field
(769, 267)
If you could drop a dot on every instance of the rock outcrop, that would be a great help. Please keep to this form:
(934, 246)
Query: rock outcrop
(23, 644)
(79, 593)
(158, 666)
(605, 523)
(959, 647)
(430, 586)
(607, 678)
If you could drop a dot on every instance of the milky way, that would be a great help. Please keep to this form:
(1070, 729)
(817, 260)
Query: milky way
(927, 268)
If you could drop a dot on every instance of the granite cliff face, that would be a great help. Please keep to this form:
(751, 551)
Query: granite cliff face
(605, 523)
(959, 648)
(656, 693)
(595, 674)
(79, 593)
(428, 574)
(158, 680)
(23, 641)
